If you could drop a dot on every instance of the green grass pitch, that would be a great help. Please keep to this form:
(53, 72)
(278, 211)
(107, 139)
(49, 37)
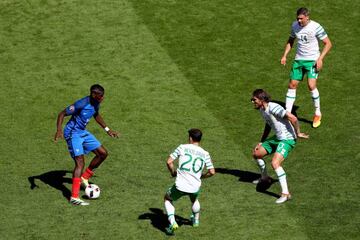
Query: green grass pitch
(167, 66)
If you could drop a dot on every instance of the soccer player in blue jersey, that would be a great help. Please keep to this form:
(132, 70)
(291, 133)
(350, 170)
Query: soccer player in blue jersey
(80, 141)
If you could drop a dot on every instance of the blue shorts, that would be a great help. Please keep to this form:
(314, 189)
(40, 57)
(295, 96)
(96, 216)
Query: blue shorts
(81, 143)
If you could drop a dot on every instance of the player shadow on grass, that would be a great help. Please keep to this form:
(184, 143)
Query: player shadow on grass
(293, 111)
(55, 179)
(159, 219)
(249, 177)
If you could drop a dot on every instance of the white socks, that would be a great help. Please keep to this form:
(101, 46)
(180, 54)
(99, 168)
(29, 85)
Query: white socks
(170, 210)
(316, 100)
(196, 209)
(290, 99)
(262, 167)
(282, 179)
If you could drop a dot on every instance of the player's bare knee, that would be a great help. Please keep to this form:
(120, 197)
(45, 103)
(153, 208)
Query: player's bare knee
(275, 164)
(167, 198)
(311, 87)
(256, 154)
(102, 153)
(293, 84)
(253, 154)
(79, 162)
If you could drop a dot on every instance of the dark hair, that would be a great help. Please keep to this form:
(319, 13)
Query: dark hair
(262, 95)
(97, 89)
(195, 134)
(303, 11)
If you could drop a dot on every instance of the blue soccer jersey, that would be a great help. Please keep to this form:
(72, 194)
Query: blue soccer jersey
(81, 112)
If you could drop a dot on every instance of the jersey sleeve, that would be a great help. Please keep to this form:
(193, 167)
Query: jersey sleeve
(76, 107)
(176, 154)
(208, 162)
(292, 31)
(277, 110)
(320, 32)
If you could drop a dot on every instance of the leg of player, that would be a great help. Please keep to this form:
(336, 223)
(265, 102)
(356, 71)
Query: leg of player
(76, 180)
(276, 164)
(315, 95)
(100, 156)
(291, 94)
(195, 217)
(170, 210)
(258, 153)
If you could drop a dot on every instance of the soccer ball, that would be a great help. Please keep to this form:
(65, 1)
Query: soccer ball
(92, 191)
(264, 185)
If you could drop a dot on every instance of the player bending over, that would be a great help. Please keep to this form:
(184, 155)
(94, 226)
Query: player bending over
(192, 160)
(286, 129)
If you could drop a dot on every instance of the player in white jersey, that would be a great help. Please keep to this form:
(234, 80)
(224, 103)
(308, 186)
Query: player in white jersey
(287, 130)
(192, 160)
(308, 60)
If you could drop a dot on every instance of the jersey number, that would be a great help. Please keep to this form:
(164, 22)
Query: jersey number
(303, 38)
(281, 148)
(187, 164)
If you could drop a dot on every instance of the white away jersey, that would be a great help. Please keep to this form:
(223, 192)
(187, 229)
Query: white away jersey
(274, 117)
(308, 45)
(192, 160)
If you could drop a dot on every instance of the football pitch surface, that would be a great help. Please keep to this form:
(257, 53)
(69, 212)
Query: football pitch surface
(168, 66)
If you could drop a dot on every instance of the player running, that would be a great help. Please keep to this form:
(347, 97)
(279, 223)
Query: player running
(308, 60)
(80, 141)
(192, 160)
(286, 129)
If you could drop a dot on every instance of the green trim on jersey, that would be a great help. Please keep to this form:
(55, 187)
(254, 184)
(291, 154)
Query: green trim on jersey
(300, 68)
(283, 147)
(174, 194)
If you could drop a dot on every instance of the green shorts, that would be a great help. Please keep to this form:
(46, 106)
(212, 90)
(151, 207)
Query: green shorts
(174, 194)
(300, 68)
(280, 146)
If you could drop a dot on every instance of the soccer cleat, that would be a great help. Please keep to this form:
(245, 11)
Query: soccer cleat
(256, 181)
(84, 182)
(195, 222)
(78, 202)
(316, 121)
(171, 229)
(283, 198)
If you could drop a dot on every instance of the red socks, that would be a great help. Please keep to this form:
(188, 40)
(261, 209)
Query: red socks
(77, 181)
(75, 187)
(87, 174)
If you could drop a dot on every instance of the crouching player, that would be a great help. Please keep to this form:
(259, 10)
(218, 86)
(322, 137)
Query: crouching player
(287, 130)
(192, 160)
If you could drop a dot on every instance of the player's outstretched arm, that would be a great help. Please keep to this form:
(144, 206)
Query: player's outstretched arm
(170, 166)
(102, 123)
(294, 121)
(266, 132)
(288, 47)
(326, 49)
(59, 121)
(209, 173)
